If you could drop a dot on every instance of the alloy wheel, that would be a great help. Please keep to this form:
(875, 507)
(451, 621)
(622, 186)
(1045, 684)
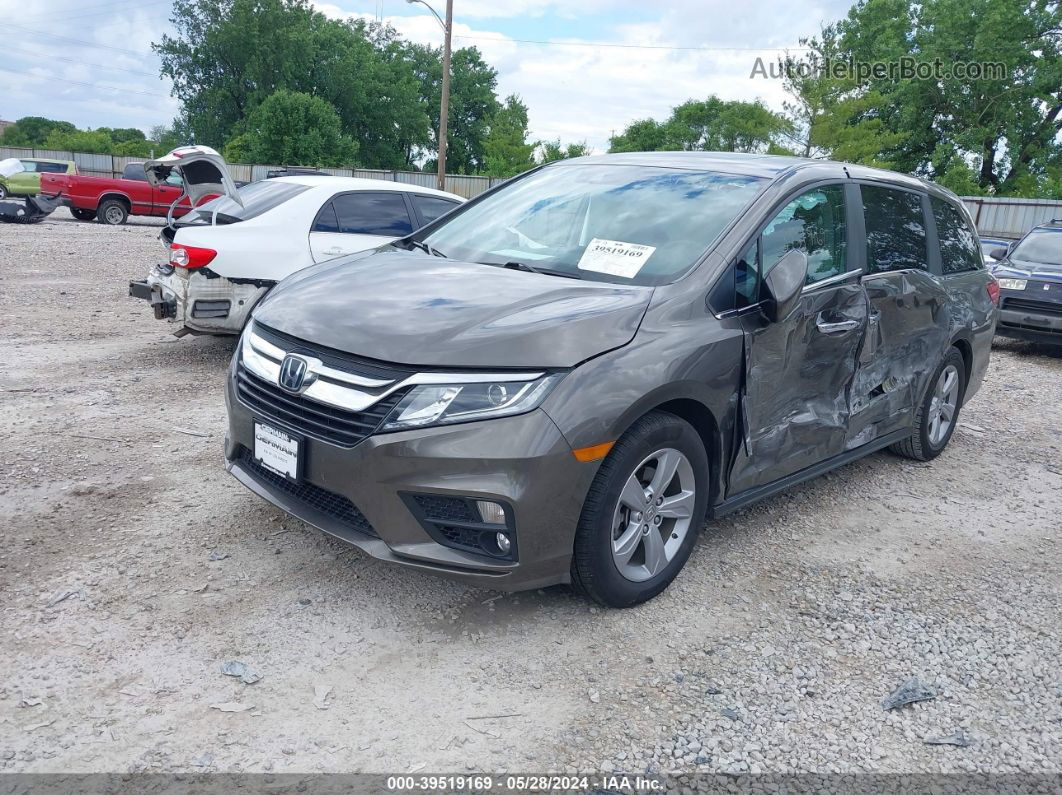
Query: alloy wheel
(653, 514)
(943, 405)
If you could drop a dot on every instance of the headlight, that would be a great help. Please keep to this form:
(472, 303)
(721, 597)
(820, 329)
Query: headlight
(431, 404)
(1012, 284)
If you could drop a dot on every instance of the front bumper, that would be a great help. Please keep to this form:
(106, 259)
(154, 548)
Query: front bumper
(199, 300)
(522, 461)
(1033, 314)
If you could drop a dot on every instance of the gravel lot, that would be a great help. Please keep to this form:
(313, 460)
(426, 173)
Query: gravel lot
(133, 567)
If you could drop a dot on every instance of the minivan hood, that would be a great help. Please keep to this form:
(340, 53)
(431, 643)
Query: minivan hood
(1025, 269)
(416, 309)
(204, 171)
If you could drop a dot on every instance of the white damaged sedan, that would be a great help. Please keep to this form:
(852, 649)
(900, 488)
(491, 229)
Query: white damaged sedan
(229, 252)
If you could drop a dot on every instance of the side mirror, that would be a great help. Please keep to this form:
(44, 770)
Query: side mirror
(998, 253)
(784, 284)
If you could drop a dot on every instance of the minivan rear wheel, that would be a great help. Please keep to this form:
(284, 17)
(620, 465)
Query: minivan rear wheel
(939, 413)
(643, 512)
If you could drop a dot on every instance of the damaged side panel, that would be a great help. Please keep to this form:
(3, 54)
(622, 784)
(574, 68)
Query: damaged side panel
(798, 379)
(908, 333)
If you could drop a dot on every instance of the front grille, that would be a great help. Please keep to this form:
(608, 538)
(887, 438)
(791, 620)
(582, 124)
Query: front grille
(327, 502)
(1030, 305)
(347, 362)
(328, 423)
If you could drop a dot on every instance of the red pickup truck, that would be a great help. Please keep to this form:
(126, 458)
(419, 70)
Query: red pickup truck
(112, 201)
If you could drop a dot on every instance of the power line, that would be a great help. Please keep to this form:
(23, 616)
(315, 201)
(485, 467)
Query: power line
(96, 86)
(78, 61)
(77, 41)
(628, 46)
(61, 17)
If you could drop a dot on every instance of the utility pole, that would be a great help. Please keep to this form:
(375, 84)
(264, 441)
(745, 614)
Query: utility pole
(444, 110)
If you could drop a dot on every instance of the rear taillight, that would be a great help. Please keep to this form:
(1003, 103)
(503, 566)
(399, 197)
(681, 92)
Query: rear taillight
(190, 256)
(993, 290)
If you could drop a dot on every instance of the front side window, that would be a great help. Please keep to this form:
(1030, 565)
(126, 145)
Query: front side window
(1040, 247)
(815, 223)
(373, 214)
(623, 224)
(896, 230)
(958, 243)
(29, 166)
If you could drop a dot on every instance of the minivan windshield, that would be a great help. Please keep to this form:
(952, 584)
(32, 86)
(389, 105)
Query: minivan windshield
(1042, 246)
(625, 224)
(258, 197)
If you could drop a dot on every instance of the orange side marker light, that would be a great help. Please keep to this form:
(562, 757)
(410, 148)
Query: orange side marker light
(587, 454)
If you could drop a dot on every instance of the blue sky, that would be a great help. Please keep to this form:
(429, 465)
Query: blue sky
(89, 61)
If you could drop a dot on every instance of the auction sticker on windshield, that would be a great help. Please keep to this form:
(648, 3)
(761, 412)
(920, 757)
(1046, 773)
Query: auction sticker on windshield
(615, 257)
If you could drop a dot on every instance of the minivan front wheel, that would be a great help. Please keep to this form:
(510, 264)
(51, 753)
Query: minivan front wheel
(939, 413)
(643, 512)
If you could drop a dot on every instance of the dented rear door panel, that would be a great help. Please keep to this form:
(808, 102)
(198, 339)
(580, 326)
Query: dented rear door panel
(907, 334)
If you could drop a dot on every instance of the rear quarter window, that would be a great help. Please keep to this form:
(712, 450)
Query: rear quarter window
(431, 207)
(958, 242)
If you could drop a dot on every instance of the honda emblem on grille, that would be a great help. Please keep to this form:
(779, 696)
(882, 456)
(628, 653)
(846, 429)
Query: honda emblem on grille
(293, 374)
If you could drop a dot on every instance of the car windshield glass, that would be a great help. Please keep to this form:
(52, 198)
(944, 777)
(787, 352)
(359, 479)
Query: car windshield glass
(617, 223)
(1043, 246)
(258, 197)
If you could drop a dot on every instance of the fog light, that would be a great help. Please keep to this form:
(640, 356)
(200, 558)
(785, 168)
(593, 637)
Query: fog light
(492, 513)
(503, 543)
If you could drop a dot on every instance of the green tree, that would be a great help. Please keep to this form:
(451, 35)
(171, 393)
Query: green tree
(644, 135)
(228, 56)
(550, 151)
(472, 104)
(507, 151)
(1007, 125)
(292, 128)
(33, 131)
(711, 125)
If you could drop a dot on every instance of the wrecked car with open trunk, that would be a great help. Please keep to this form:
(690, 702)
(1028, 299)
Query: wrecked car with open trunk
(561, 380)
(228, 253)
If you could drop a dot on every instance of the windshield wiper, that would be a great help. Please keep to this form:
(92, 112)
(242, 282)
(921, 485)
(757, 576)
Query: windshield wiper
(411, 243)
(523, 266)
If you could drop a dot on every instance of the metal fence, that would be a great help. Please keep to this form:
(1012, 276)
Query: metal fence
(96, 165)
(995, 217)
(1010, 218)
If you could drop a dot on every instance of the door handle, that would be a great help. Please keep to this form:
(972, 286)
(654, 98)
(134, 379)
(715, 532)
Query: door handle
(840, 327)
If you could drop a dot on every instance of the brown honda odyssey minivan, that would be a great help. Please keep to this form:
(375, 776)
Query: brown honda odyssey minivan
(562, 380)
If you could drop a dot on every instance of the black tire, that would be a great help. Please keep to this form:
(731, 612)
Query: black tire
(919, 445)
(3, 193)
(594, 573)
(112, 212)
(82, 215)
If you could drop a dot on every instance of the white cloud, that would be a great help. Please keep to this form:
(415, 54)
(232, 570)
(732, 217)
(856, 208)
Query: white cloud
(577, 92)
(573, 92)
